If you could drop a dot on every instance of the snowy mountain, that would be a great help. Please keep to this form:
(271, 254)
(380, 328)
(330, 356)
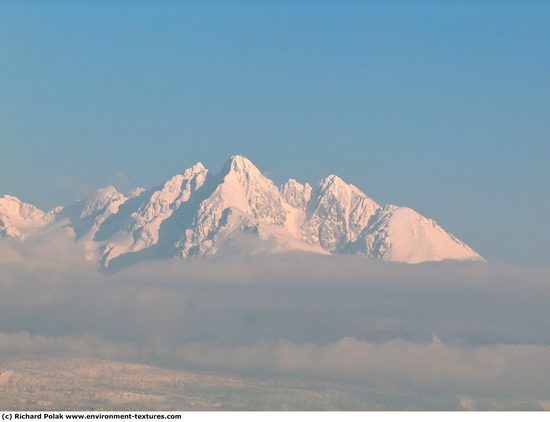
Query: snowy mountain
(336, 214)
(400, 234)
(241, 211)
(19, 219)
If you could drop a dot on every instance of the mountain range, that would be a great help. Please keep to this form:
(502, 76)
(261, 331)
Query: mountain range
(237, 210)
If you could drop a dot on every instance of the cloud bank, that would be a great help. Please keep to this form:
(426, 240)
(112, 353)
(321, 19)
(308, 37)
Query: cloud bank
(442, 330)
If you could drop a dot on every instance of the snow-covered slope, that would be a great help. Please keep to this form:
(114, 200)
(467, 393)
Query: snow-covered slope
(239, 209)
(239, 200)
(336, 214)
(19, 219)
(400, 234)
(140, 227)
(296, 194)
(86, 217)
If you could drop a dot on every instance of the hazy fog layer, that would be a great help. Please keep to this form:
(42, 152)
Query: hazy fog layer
(457, 330)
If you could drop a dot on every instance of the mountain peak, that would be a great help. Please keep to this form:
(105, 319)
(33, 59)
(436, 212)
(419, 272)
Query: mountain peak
(195, 214)
(10, 198)
(295, 193)
(197, 168)
(401, 234)
(333, 181)
(337, 214)
(11, 205)
(101, 199)
(106, 192)
(333, 178)
(17, 217)
(243, 181)
(240, 164)
(239, 158)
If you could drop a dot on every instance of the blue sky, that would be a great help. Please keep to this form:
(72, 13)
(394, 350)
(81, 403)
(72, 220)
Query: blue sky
(441, 106)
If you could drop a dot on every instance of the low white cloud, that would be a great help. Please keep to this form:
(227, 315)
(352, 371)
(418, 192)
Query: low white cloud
(458, 330)
(502, 369)
(53, 249)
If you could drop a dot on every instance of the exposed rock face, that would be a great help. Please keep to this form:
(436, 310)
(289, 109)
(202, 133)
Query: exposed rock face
(296, 194)
(336, 214)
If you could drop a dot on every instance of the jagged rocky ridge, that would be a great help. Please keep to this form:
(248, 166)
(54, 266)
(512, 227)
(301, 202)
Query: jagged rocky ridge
(238, 210)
